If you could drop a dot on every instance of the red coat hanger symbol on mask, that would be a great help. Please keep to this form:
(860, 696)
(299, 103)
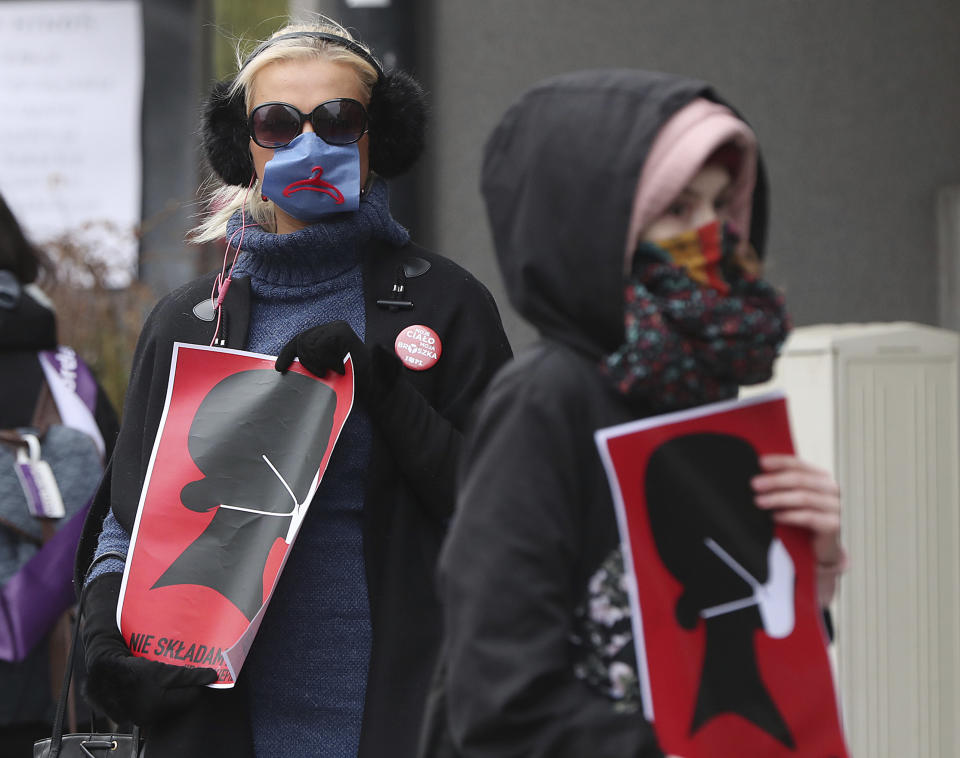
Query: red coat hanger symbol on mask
(315, 184)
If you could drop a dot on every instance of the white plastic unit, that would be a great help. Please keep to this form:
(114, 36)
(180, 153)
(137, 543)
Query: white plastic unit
(877, 405)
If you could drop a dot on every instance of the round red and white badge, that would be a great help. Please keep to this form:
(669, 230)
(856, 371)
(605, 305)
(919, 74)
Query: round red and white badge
(418, 347)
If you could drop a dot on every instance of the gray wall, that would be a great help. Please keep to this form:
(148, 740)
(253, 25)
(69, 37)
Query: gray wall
(856, 103)
(175, 81)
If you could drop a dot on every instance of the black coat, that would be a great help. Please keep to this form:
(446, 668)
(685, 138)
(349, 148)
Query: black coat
(409, 495)
(539, 521)
(535, 527)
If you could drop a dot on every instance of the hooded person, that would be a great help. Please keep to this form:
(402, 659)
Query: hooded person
(36, 376)
(621, 204)
(302, 139)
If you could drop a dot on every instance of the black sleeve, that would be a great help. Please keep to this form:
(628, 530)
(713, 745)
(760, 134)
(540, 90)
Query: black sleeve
(142, 410)
(507, 581)
(425, 435)
(425, 445)
(476, 349)
(131, 444)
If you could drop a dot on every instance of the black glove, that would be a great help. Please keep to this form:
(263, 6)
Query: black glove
(425, 444)
(322, 348)
(123, 686)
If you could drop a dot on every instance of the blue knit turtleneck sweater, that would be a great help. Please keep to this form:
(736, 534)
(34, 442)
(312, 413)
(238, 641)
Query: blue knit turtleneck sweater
(306, 672)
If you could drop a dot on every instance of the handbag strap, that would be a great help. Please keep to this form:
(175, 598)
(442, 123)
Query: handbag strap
(45, 415)
(57, 738)
(45, 412)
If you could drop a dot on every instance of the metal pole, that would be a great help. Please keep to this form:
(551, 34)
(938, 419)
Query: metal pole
(389, 27)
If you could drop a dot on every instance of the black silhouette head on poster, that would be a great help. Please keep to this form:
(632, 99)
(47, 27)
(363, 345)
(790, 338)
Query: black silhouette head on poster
(736, 575)
(259, 437)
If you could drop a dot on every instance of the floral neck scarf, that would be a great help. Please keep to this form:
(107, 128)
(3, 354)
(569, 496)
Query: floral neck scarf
(688, 344)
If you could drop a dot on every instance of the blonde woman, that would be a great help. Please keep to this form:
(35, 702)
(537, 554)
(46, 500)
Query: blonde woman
(303, 138)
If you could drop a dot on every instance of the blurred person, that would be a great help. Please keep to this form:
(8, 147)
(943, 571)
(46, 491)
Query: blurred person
(37, 379)
(621, 204)
(303, 138)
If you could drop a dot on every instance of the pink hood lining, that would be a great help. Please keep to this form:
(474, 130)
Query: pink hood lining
(679, 151)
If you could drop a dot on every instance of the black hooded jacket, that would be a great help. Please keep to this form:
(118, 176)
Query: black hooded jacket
(535, 520)
(407, 503)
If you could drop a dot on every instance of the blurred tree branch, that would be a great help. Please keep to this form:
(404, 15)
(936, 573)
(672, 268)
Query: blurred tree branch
(98, 318)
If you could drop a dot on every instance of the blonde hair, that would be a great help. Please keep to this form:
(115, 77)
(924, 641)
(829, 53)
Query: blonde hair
(224, 200)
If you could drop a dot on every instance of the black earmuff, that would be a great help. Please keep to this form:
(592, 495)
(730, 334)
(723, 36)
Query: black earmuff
(397, 113)
(224, 135)
(398, 120)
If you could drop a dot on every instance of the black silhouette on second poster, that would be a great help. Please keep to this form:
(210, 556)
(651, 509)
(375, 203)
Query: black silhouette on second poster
(736, 575)
(259, 438)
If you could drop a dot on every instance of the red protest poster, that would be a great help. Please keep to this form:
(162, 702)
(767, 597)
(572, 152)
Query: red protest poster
(238, 456)
(730, 642)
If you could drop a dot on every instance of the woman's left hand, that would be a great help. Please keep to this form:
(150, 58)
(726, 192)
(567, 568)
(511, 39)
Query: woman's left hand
(324, 347)
(801, 494)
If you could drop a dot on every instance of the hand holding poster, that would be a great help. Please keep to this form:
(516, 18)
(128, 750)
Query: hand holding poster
(239, 454)
(728, 633)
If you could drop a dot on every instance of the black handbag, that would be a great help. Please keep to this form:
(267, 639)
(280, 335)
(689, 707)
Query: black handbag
(85, 744)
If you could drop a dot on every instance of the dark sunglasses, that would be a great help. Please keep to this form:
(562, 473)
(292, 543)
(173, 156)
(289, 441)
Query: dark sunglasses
(337, 122)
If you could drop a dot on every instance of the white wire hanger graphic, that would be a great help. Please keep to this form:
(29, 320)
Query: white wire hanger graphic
(774, 598)
(296, 511)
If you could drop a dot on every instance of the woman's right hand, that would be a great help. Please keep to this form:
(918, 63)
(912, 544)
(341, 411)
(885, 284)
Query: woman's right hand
(797, 493)
(122, 685)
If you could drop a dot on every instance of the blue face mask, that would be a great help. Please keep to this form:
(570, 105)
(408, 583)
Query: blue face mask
(309, 179)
